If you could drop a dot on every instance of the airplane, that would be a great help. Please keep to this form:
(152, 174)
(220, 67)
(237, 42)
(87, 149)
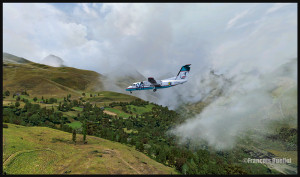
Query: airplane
(160, 84)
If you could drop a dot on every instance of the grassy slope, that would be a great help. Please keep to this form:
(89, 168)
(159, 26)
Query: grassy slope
(108, 96)
(75, 124)
(34, 150)
(118, 112)
(140, 109)
(45, 80)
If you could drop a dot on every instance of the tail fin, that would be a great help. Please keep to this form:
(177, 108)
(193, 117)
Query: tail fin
(183, 73)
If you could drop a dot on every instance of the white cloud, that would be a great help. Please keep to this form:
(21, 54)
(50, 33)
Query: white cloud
(236, 18)
(276, 7)
(156, 38)
(45, 29)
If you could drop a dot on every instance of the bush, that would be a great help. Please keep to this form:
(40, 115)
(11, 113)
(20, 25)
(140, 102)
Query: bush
(7, 93)
(5, 126)
(17, 104)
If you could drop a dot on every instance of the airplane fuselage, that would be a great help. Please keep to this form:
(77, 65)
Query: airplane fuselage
(145, 85)
(153, 84)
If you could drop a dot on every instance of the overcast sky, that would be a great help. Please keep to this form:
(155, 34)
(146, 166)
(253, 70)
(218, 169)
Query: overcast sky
(152, 38)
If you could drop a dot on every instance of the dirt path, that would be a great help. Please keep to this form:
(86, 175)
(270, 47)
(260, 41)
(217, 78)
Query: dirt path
(117, 154)
(110, 113)
(119, 157)
(20, 152)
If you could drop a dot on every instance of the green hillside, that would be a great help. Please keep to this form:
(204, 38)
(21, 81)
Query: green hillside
(41, 150)
(38, 79)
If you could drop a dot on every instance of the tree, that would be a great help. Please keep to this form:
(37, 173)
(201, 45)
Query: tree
(84, 127)
(184, 169)
(179, 163)
(35, 99)
(83, 94)
(91, 95)
(18, 98)
(162, 156)
(52, 100)
(17, 104)
(59, 106)
(7, 93)
(74, 136)
(192, 167)
(139, 146)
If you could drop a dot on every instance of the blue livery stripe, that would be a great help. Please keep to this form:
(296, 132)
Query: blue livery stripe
(149, 88)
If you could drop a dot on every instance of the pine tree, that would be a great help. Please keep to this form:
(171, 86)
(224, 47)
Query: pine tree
(84, 130)
(59, 106)
(74, 136)
(185, 168)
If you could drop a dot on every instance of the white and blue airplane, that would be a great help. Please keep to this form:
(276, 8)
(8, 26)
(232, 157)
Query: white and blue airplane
(160, 84)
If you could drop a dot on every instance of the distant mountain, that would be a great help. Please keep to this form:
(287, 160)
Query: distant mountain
(8, 58)
(39, 79)
(120, 78)
(53, 60)
(126, 80)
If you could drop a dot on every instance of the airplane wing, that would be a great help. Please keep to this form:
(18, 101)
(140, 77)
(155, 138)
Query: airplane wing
(153, 81)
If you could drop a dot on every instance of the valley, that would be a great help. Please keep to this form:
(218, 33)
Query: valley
(44, 106)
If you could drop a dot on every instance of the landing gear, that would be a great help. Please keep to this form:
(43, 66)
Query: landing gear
(154, 90)
(130, 91)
